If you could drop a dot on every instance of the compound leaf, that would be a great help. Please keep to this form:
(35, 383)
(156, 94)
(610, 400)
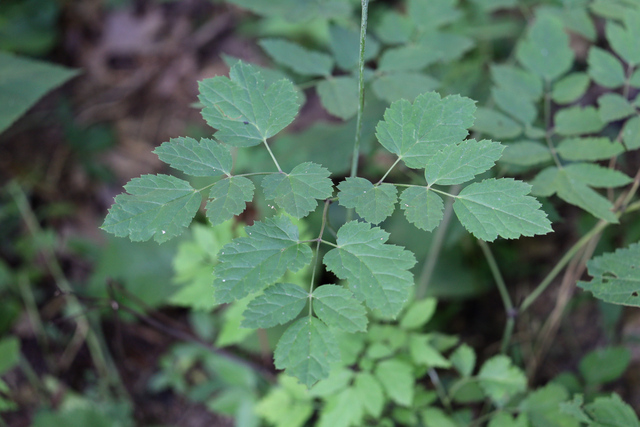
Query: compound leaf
(596, 176)
(577, 193)
(589, 149)
(517, 80)
(373, 203)
(501, 380)
(302, 61)
(339, 95)
(409, 57)
(243, 109)
(415, 132)
(543, 407)
(614, 107)
(397, 379)
(398, 85)
(306, 350)
(296, 192)
(605, 69)
(369, 390)
(500, 207)
(496, 124)
(514, 104)
(625, 40)
(422, 207)
(427, 14)
(278, 304)
(248, 264)
(394, 28)
(578, 120)
(616, 276)
(345, 46)
(526, 153)
(459, 163)
(376, 272)
(158, 206)
(338, 308)
(570, 88)
(206, 158)
(229, 197)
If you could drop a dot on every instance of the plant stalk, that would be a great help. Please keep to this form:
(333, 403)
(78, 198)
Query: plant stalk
(363, 35)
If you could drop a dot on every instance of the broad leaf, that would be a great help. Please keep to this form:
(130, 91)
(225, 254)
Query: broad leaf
(369, 390)
(422, 207)
(596, 176)
(464, 360)
(229, 197)
(427, 14)
(206, 158)
(612, 411)
(624, 40)
(500, 207)
(604, 365)
(397, 379)
(578, 121)
(616, 276)
(373, 203)
(459, 163)
(338, 308)
(296, 192)
(339, 95)
(243, 109)
(423, 352)
(577, 193)
(496, 124)
(394, 86)
(248, 264)
(342, 409)
(501, 380)
(289, 394)
(376, 272)
(590, 149)
(631, 133)
(614, 107)
(415, 132)
(516, 80)
(515, 105)
(570, 88)
(605, 69)
(409, 57)
(296, 57)
(418, 313)
(306, 351)
(345, 46)
(526, 153)
(158, 206)
(278, 305)
(543, 407)
(394, 28)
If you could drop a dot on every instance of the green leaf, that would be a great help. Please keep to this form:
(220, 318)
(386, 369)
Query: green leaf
(376, 272)
(500, 207)
(23, 82)
(495, 124)
(410, 57)
(574, 408)
(614, 107)
(577, 19)
(302, 61)
(416, 132)
(570, 88)
(624, 40)
(428, 14)
(464, 360)
(612, 412)
(369, 390)
(501, 380)
(589, 149)
(577, 121)
(502, 419)
(461, 162)
(543, 407)
(345, 46)
(306, 350)
(616, 276)
(596, 176)
(514, 104)
(418, 313)
(423, 353)
(158, 206)
(339, 95)
(577, 193)
(526, 153)
(545, 51)
(631, 133)
(343, 409)
(372, 203)
(606, 364)
(394, 28)
(231, 333)
(407, 85)
(278, 305)
(296, 192)
(291, 395)
(605, 69)
(338, 379)
(634, 80)
(447, 46)
(206, 158)
(436, 417)
(337, 307)
(243, 109)
(248, 264)
(517, 80)
(9, 353)
(397, 380)
(422, 207)
(229, 197)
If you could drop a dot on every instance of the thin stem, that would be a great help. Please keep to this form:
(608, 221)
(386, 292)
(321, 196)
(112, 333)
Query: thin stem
(547, 123)
(317, 253)
(387, 173)
(329, 243)
(271, 154)
(440, 390)
(363, 35)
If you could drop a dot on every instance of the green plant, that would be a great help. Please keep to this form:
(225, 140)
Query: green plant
(326, 344)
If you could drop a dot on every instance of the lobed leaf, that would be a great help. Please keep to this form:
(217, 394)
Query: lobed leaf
(338, 308)
(292, 55)
(279, 304)
(422, 207)
(461, 162)
(204, 158)
(229, 197)
(373, 203)
(158, 206)
(501, 380)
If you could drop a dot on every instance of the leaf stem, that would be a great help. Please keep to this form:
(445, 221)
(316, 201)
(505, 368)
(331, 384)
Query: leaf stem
(363, 34)
(387, 173)
(547, 123)
(264, 140)
(327, 202)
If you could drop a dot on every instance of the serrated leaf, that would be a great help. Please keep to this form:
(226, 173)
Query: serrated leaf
(464, 360)
(545, 50)
(614, 107)
(612, 411)
(243, 109)
(407, 85)
(526, 153)
(422, 207)
(616, 276)
(248, 264)
(517, 80)
(418, 313)
(206, 158)
(605, 69)
(306, 350)
(158, 206)
(394, 28)
(376, 272)
(369, 390)
(423, 353)
(338, 308)
(415, 132)
(589, 149)
(372, 203)
(570, 88)
(278, 305)
(229, 197)
(496, 124)
(339, 95)
(577, 193)
(297, 192)
(301, 60)
(410, 57)
(500, 207)
(543, 407)
(461, 162)
(631, 133)
(501, 380)
(605, 364)
(596, 176)
(514, 104)
(624, 40)
(397, 380)
(578, 121)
